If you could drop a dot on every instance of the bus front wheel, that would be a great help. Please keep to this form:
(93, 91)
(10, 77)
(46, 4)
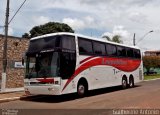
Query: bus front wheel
(82, 89)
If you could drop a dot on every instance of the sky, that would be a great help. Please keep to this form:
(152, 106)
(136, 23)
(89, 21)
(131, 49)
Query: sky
(94, 18)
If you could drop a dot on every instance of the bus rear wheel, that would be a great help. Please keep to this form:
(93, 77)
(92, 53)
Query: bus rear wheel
(124, 82)
(82, 89)
(131, 82)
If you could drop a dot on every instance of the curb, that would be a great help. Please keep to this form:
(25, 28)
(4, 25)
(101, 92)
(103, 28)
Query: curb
(18, 98)
(9, 99)
(11, 90)
(14, 98)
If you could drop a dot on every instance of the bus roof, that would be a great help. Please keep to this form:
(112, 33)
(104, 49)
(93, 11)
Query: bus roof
(83, 36)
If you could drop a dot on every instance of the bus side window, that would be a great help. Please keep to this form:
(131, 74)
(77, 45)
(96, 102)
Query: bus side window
(99, 48)
(85, 46)
(130, 53)
(68, 42)
(111, 50)
(67, 66)
(137, 54)
(121, 51)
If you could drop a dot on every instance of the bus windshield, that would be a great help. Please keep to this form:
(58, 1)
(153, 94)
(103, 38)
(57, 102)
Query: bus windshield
(42, 65)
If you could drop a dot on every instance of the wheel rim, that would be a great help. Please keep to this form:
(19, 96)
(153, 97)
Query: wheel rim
(124, 83)
(131, 83)
(81, 89)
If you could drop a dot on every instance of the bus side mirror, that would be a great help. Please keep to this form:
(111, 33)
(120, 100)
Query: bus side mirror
(37, 66)
(23, 61)
(23, 57)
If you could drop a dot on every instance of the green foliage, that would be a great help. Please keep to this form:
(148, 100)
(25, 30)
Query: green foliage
(51, 27)
(116, 38)
(108, 38)
(149, 77)
(25, 35)
(151, 62)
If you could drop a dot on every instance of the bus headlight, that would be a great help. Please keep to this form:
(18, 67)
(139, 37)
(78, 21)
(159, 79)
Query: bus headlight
(26, 83)
(56, 82)
(50, 89)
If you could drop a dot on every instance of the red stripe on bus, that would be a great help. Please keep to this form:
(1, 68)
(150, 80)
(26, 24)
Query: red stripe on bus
(86, 59)
(46, 80)
(126, 65)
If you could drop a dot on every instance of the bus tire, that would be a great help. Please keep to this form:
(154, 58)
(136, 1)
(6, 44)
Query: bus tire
(124, 82)
(82, 88)
(131, 81)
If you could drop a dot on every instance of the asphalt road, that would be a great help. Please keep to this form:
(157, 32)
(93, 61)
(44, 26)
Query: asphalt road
(146, 95)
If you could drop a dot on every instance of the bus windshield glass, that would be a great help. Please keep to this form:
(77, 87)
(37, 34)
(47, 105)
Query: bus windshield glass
(42, 65)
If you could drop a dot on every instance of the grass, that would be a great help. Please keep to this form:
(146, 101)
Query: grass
(149, 77)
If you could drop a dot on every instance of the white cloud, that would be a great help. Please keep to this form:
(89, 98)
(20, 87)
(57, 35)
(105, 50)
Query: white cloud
(74, 23)
(119, 30)
(107, 34)
(10, 31)
(79, 24)
(135, 16)
(89, 20)
(41, 20)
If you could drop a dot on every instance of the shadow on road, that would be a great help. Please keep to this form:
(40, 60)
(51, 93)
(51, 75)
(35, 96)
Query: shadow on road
(69, 97)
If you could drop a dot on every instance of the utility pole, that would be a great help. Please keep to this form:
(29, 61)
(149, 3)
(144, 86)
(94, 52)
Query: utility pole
(134, 39)
(144, 36)
(3, 84)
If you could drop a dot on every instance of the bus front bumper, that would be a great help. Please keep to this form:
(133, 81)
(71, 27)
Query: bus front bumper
(43, 90)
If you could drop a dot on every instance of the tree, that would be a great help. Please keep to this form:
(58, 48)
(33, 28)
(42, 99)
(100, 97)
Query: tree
(25, 35)
(51, 27)
(115, 38)
(151, 62)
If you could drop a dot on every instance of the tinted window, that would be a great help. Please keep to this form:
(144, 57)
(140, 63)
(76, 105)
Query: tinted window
(137, 54)
(111, 50)
(43, 44)
(121, 51)
(130, 52)
(85, 46)
(99, 48)
(68, 42)
(67, 64)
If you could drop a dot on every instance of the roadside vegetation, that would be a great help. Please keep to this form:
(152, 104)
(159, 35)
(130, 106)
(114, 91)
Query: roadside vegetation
(151, 62)
(149, 77)
(152, 67)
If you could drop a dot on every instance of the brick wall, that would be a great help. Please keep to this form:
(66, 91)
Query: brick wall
(16, 48)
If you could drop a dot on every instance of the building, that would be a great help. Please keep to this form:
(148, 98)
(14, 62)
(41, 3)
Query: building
(16, 47)
(152, 53)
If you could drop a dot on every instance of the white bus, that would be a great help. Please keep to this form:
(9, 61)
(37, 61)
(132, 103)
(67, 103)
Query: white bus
(62, 63)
